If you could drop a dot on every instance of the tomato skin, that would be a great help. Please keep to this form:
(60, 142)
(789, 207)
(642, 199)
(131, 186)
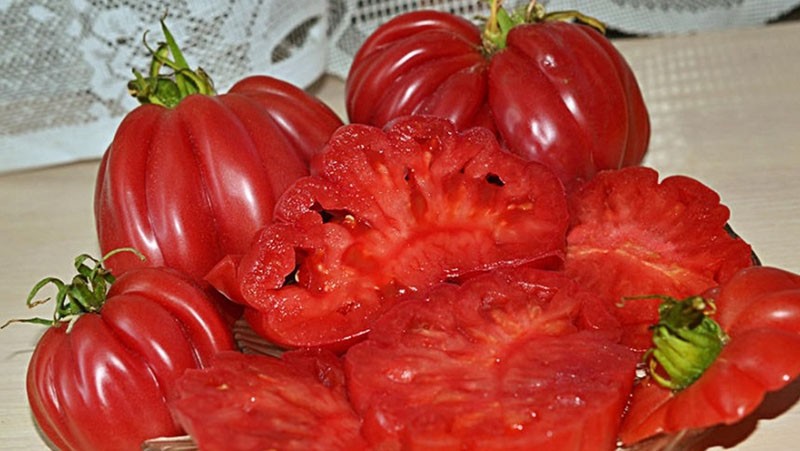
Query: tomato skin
(759, 308)
(416, 56)
(104, 381)
(559, 93)
(188, 185)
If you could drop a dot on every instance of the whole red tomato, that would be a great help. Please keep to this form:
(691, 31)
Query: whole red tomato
(554, 91)
(190, 175)
(713, 366)
(101, 376)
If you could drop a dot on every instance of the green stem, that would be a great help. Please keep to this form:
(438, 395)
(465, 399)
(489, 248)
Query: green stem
(500, 22)
(169, 89)
(498, 25)
(86, 293)
(686, 341)
(576, 16)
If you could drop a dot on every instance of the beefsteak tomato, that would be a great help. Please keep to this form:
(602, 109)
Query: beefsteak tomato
(554, 91)
(758, 312)
(102, 374)
(389, 212)
(514, 359)
(191, 176)
(632, 235)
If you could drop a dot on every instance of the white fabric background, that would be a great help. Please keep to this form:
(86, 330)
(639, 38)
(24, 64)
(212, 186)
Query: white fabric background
(65, 63)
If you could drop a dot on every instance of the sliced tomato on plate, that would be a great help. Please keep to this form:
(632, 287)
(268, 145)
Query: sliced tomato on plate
(513, 359)
(634, 236)
(386, 213)
(250, 401)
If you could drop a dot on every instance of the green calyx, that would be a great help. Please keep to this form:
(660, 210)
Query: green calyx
(500, 22)
(170, 88)
(86, 293)
(686, 341)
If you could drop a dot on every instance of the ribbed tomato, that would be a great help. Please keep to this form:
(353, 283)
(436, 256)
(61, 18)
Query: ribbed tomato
(556, 92)
(191, 176)
(718, 370)
(102, 374)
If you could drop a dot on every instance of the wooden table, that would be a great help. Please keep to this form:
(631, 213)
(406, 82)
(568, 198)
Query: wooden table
(725, 109)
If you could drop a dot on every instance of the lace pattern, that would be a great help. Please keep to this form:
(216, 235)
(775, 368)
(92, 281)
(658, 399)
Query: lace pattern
(65, 63)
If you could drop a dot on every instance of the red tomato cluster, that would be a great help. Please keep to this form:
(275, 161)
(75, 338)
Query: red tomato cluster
(475, 262)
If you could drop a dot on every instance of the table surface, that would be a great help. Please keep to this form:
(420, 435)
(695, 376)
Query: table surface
(725, 109)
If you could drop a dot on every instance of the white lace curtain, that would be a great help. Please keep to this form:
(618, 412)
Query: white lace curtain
(65, 63)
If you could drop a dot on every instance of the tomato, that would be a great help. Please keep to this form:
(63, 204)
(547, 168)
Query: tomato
(555, 92)
(758, 309)
(386, 213)
(505, 361)
(188, 182)
(247, 402)
(632, 235)
(102, 374)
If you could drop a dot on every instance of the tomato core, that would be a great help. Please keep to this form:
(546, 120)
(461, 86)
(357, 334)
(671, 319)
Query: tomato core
(686, 341)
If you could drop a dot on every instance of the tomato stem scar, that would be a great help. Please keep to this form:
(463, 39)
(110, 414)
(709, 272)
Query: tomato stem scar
(686, 341)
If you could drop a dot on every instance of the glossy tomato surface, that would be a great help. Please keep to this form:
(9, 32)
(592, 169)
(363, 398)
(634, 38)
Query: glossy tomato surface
(515, 359)
(633, 235)
(187, 185)
(759, 309)
(103, 381)
(386, 213)
(559, 93)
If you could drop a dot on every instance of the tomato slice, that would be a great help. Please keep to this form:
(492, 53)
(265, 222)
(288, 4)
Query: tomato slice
(632, 236)
(250, 401)
(505, 361)
(386, 213)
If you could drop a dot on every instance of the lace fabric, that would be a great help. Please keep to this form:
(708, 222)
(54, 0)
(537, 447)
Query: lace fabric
(65, 63)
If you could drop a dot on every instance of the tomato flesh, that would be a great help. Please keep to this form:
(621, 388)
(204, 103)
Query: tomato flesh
(387, 213)
(633, 236)
(246, 402)
(501, 362)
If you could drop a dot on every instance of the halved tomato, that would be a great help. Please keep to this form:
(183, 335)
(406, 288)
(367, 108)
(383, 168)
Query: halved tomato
(632, 235)
(512, 359)
(386, 213)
